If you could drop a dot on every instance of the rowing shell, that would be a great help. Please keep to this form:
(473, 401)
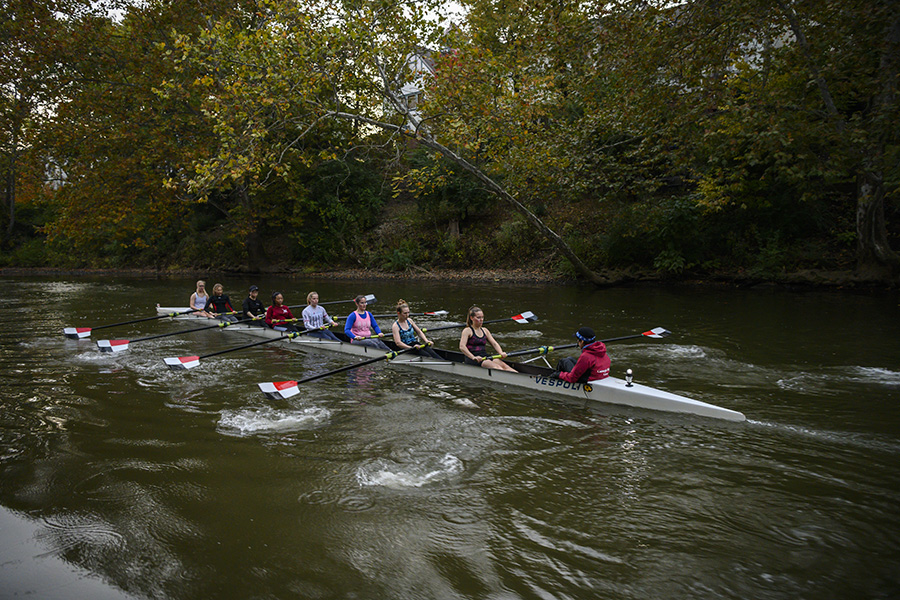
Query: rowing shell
(534, 378)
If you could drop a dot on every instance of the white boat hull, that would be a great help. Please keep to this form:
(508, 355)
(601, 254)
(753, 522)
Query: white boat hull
(592, 395)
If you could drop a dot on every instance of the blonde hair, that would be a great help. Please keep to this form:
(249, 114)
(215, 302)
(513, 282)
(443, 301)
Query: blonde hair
(310, 295)
(401, 303)
(218, 286)
(199, 282)
(472, 310)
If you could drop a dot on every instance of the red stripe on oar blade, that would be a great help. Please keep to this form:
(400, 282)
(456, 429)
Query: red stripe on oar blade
(525, 317)
(279, 390)
(112, 345)
(657, 332)
(183, 362)
(76, 333)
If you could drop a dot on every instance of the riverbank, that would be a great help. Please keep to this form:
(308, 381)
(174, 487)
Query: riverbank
(799, 279)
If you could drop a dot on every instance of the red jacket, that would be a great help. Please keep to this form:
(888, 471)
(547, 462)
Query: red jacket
(278, 313)
(593, 360)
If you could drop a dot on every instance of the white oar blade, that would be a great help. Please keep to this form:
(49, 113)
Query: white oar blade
(182, 362)
(279, 390)
(112, 345)
(525, 317)
(370, 298)
(77, 333)
(657, 332)
(437, 313)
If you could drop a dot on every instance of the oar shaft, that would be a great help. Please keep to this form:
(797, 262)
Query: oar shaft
(460, 325)
(388, 356)
(547, 349)
(288, 334)
(142, 320)
(624, 337)
(370, 299)
(268, 341)
(162, 335)
(541, 350)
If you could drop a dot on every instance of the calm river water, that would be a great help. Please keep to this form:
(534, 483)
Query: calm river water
(132, 480)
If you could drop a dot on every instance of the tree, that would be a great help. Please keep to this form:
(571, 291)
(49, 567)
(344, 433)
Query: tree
(305, 64)
(30, 83)
(119, 142)
(761, 100)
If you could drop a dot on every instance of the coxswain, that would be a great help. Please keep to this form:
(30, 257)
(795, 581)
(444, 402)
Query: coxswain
(591, 365)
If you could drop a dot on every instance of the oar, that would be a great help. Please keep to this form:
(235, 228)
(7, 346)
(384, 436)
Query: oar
(370, 299)
(189, 362)
(281, 390)
(525, 317)
(373, 337)
(77, 333)
(436, 313)
(657, 332)
(120, 345)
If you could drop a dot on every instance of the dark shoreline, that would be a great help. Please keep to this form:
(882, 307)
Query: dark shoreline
(808, 279)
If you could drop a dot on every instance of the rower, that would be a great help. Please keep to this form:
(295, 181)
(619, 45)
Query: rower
(407, 334)
(199, 299)
(219, 303)
(474, 340)
(591, 365)
(360, 325)
(254, 311)
(278, 316)
(315, 317)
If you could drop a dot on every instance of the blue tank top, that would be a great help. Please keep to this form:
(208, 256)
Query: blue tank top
(407, 336)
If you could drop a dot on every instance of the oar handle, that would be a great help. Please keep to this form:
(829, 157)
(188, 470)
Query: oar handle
(372, 337)
(538, 350)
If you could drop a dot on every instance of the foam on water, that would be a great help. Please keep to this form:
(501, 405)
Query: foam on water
(251, 421)
(424, 471)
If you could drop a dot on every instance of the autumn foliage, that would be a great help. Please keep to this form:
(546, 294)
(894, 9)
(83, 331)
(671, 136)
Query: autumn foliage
(700, 139)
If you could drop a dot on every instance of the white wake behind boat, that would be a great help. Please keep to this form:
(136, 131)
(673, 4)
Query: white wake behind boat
(534, 378)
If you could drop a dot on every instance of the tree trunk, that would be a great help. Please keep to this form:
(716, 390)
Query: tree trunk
(11, 195)
(429, 142)
(875, 259)
(11, 182)
(256, 253)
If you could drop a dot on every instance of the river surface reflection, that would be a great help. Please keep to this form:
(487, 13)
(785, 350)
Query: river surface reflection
(380, 482)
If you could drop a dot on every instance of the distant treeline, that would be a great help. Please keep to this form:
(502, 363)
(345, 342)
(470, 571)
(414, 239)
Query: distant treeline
(733, 136)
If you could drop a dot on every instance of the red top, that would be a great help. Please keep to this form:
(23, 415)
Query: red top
(593, 360)
(277, 313)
